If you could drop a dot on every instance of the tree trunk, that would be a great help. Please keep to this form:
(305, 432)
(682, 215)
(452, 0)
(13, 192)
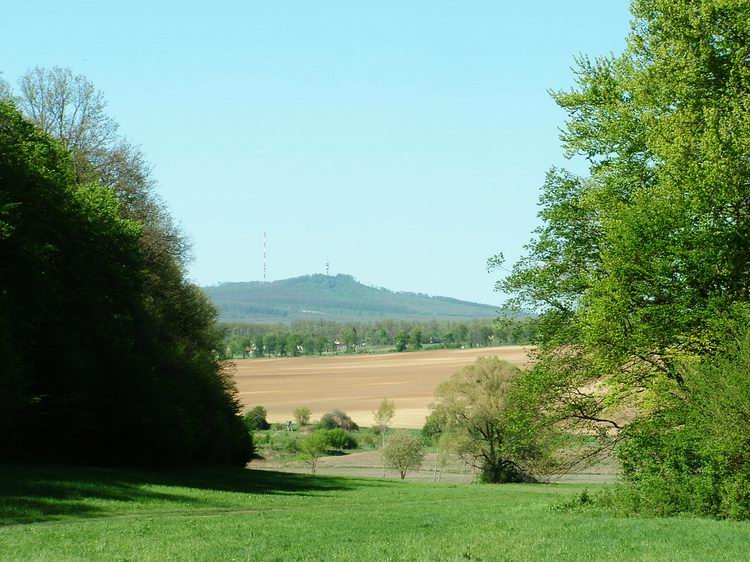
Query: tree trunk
(382, 432)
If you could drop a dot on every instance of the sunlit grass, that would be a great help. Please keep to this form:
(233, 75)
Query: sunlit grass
(224, 514)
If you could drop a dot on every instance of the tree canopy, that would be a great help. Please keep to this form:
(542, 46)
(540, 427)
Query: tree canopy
(491, 426)
(107, 355)
(638, 266)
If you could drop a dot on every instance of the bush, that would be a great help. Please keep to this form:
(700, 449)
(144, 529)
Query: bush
(369, 439)
(302, 416)
(338, 418)
(434, 426)
(255, 419)
(328, 421)
(340, 439)
(261, 438)
(693, 455)
(285, 443)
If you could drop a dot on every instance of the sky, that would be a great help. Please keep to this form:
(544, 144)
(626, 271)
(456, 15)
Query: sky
(404, 142)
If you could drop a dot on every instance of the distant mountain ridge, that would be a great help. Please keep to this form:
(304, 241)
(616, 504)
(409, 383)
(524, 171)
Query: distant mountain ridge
(340, 297)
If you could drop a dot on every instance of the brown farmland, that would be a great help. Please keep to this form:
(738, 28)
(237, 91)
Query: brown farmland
(357, 383)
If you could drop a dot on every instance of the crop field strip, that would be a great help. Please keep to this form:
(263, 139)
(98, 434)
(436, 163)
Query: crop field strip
(357, 383)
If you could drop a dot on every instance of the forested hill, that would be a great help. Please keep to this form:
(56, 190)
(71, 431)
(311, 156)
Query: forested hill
(338, 297)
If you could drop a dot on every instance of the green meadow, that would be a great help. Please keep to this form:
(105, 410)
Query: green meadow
(66, 513)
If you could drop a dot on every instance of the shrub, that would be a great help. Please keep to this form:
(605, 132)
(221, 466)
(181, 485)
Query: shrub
(368, 439)
(328, 421)
(340, 439)
(302, 416)
(261, 438)
(337, 418)
(434, 426)
(693, 455)
(255, 419)
(285, 443)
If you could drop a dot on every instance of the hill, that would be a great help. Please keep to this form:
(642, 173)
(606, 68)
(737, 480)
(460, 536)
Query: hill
(339, 297)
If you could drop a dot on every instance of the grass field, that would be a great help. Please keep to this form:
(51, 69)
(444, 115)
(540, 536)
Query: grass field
(224, 514)
(357, 383)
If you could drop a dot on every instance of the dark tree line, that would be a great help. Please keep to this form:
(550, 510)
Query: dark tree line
(107, 353)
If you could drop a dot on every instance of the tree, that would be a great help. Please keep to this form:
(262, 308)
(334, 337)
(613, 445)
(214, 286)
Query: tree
(313, 447)
(292, 345)
(462, 332)
(445, 445)
(269, 343)
(402, 340)
(382, 417)
(639, 265)
(351, 339)
(492, 433)
(415, 338)
(108, 350)
(5, 92)
(258, 346)
(68, 107)
(302, 416)
(403, 452)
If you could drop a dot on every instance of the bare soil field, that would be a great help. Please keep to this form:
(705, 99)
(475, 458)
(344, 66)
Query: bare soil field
(357, 383)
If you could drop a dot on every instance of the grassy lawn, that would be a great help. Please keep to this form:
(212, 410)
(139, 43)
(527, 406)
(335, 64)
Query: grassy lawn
(54, 513)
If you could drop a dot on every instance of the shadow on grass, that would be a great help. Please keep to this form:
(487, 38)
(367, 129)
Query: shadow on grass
(32, 493)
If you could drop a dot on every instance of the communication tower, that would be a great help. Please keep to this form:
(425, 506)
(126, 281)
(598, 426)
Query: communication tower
(265, 264)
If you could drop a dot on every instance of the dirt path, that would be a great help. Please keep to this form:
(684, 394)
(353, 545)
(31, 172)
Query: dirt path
(357, 383)
(369, 464)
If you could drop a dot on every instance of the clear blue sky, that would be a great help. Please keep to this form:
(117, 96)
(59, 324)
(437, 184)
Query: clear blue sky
(406, 140)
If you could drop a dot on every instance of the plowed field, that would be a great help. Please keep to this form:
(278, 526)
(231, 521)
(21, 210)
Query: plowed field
(357, 383)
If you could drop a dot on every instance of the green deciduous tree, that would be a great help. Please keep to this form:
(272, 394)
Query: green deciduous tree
(403, 452)
(402, 341)
(302, 415)
(492, 428)
(313, 447)
(382, 418)
(109, 351)
(415, 339)
(638, 266)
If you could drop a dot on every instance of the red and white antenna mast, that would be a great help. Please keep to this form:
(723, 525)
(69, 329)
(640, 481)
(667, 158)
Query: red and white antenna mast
(265, 268)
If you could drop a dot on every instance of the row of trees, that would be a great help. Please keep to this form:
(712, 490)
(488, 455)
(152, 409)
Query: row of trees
(317, 338)
(640, 269)
(107, 352)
